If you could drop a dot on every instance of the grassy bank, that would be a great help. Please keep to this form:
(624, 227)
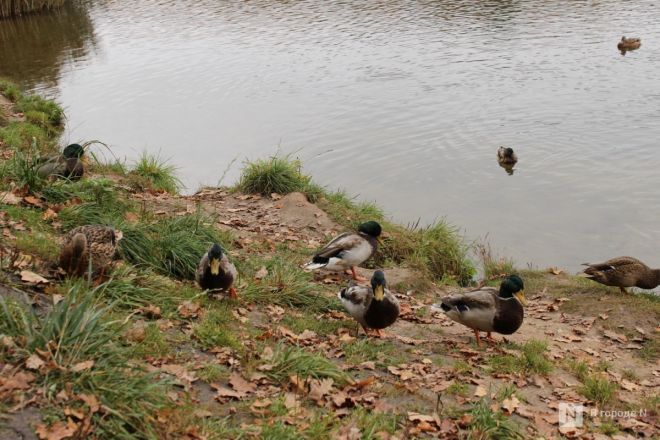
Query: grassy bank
(437, 249)
(146, 355)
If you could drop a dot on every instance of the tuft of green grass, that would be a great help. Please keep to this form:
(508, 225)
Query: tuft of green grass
(363, 350)
(493, 267)
(215, 329)
(289, 361)
(277, 174)
(598, 389)
(371, 424)
(54, 115)
(74, 331)
(212, 372)
(38, 243)
(487, 425)
(311, 322)
(171, 246)
(531, 360)
(153, 345)
(458, 389)
(10, 90)
(22, 168)
(285, 285)
(462, 367)
(154, 173)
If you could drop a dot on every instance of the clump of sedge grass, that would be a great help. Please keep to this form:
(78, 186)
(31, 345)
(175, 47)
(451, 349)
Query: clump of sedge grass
(22, 169)
(289, 361)
(531, 360)
(278, 174)
(215, 329)
(598, 389)
(76, 330)
(54, 115)
(285, 285)
(487, 424)
(10, 90)
(171, 246)
(129, 288)
(154, 173)
(493, 267)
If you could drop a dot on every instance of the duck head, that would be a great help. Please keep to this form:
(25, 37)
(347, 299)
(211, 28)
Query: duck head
(378, 284)
(513, 286)
(215, 255)
(73, 151)
(370, 228)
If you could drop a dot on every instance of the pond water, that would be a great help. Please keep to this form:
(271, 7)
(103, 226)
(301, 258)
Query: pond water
(401, 102)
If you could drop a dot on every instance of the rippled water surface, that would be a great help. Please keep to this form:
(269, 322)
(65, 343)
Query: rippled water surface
(402, 102)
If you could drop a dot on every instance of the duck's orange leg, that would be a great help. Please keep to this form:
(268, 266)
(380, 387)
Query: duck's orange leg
(232, 293)
(356, 277)
(476, 335)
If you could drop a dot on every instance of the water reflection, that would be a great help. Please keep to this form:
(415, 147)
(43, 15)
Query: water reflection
(35, 48)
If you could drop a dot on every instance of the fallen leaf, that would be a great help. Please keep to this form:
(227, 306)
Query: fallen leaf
(31, 277)
(319, 388)
(188, 309)
(91, 401)
(19, 381)
(241, 385)
(510, 404)
(34, 362)
(150, 311)
(261, 273)
(49, 214)
(480, 391)
(9, 198)
(31, 200)
(56, 431)
(82, 366)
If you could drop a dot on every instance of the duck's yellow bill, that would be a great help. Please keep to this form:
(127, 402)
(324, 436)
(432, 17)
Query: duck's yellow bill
(215, 266)
(521, 297)
(379, 293)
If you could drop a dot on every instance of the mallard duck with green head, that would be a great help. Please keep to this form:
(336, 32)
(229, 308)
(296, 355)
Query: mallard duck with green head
(89, 248)
(348, 250)
(216, 273)
(489, 309)
(67, 165)
(373, 307)
(623, 272)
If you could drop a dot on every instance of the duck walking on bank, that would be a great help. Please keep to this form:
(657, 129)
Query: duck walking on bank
(89, 249)
(67, 165)
(623, 272)
(216, 272)
(348, 250)
(489, 309)
(374, 306)
(629, 44)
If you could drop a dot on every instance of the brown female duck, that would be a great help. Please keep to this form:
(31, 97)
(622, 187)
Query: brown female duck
(97, 243)
(623, 272)
(629, 43)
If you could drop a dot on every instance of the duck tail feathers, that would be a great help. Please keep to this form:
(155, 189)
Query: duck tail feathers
(317, 263)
